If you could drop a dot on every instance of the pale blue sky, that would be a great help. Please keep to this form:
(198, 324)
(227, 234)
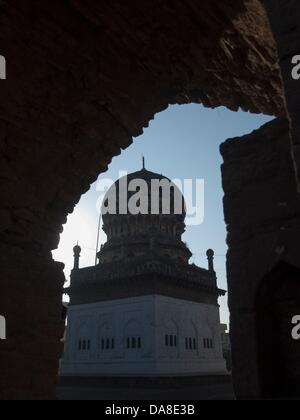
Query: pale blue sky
(182, 142)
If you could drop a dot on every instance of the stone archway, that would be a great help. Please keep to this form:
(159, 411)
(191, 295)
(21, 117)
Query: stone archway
(83, 79)
(278, 301)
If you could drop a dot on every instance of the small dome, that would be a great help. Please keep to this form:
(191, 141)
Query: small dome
(77, 249)
(210, 253)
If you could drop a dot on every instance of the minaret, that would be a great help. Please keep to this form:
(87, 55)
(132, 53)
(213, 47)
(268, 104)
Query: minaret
(77, 252)
(210, 257)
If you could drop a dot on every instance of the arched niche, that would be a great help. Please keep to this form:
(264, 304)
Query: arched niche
(278, 354)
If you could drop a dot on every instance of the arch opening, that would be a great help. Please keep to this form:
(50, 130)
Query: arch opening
(198, 156)
(190, 130)
(79, 88)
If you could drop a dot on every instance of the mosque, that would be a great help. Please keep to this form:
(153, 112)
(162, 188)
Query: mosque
(144, 310)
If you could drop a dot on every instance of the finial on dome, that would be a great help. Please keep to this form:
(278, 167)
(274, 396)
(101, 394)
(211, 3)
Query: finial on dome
(144, 164)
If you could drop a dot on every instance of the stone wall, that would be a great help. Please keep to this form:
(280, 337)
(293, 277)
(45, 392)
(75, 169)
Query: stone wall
(284, 16)
(83, 79)
(262, 213)
(31, 301)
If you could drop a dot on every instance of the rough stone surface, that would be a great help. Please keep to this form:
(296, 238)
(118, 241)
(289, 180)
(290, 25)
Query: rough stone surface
(83, 79)
(262, 213)
(284, 16)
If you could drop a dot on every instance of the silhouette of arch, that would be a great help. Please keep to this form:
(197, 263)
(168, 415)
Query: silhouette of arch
(171, 325)
(277, 302)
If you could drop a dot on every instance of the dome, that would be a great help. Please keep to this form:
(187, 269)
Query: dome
(143, 214)
(77, 249)
(144, 193)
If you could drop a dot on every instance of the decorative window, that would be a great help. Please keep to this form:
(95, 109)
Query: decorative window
(170, 334)
(191, 343)
(171, 340)
(107, 343)
(106, 338)
(208, 343)
(134, 343)
(191, 340)
(133, 335)
(84, 343)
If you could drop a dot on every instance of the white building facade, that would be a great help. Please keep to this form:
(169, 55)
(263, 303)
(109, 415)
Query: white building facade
(143, 336)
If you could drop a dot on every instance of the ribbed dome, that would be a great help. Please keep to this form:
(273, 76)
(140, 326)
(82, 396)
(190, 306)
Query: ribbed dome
(164, 197)
(143, 214)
